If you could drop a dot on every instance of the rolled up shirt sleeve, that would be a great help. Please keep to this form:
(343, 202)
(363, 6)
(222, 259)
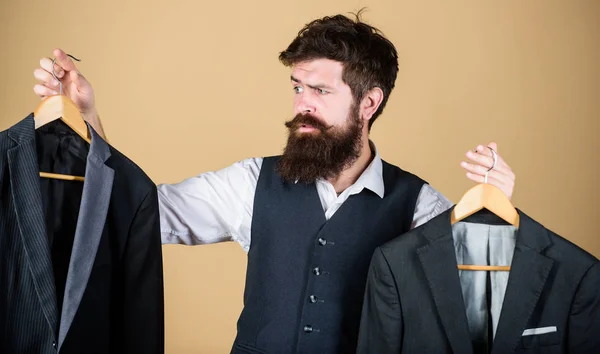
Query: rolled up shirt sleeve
(211, 207)
(430, 204)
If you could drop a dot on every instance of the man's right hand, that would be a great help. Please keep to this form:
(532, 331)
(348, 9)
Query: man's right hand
(74, 86)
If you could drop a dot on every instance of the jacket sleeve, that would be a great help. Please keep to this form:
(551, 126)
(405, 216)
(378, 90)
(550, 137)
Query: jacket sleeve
(381, 319)
(584, 320)
(143, 281)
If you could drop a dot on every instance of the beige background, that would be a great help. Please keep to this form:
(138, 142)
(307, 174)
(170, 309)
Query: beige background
(187, 86)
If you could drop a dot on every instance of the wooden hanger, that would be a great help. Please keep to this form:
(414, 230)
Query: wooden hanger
(61, 107)
(491, 198)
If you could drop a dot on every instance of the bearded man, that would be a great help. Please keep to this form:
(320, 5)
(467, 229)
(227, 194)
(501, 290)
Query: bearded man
(311, 218)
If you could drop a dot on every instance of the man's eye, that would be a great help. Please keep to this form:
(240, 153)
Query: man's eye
(297, 89)
(321, 91)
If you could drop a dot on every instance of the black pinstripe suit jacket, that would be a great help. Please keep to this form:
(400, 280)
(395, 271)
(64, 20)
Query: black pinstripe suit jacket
(113, 297)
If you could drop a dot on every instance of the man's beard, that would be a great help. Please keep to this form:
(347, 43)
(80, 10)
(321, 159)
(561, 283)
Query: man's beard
(320, 154)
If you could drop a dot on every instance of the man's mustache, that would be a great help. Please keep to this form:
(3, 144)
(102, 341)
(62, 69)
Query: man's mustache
(307, 119)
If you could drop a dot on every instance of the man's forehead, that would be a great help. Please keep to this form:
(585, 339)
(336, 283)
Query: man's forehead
(326, 70)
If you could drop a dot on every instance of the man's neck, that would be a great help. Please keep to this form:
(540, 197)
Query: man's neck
(350, 175)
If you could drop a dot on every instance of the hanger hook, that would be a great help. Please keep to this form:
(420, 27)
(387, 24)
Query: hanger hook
(54, 74)
(495, 157)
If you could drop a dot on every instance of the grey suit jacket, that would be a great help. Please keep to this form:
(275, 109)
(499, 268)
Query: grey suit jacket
(112, 300)
(413, 301)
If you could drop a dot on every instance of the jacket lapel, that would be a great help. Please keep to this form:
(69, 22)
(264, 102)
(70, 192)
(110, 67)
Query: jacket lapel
(27, 197)
(90, 225)
(439, 263)
(528, 273)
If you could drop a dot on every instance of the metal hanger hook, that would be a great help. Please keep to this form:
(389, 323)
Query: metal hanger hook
(495, 157)
(54, 74)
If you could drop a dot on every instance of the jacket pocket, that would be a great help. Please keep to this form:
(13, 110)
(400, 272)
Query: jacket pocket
(540, 340)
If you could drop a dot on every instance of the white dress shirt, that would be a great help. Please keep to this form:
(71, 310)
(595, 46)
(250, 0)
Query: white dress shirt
(217, 206)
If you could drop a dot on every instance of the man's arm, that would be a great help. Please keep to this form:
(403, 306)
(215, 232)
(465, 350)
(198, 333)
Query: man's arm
(430, 203)
(211, 207)
(93, 118)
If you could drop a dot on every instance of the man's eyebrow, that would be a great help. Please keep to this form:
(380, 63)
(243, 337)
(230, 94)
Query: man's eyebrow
(318, 86)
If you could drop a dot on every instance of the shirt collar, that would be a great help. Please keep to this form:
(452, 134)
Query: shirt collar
(372, 176)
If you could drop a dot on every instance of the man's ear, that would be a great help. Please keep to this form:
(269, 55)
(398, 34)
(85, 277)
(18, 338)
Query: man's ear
(370, 103)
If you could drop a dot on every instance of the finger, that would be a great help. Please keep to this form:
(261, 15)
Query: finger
(43, 91)
(505, 179)
(502, 164)
(480, 158)
(46, 64)
(64, 60)
(487, 161)
(498, 179)
(503, 167)
(486, 149)
(78, 79)
(483, 150)
(474, 168)
(45, 77)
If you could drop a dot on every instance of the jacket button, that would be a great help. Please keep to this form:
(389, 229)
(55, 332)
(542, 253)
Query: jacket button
(54, 344)
(313, 299)
(308, 329)
(322, 241)
(317, 271)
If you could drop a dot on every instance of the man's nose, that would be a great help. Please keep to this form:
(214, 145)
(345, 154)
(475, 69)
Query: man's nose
(304, 105)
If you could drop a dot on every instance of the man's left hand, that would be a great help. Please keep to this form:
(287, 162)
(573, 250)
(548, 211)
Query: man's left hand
(482, 160)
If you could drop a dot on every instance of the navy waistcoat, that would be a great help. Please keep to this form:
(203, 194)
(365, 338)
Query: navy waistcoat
(306, 275)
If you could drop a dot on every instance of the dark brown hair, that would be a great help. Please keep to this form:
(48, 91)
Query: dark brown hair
(369, 59)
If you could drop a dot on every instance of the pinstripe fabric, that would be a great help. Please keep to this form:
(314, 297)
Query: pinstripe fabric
(28, 310)
(113, 299)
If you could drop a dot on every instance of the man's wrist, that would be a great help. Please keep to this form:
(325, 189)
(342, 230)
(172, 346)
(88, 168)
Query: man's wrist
(90, 116)
(93, 118)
